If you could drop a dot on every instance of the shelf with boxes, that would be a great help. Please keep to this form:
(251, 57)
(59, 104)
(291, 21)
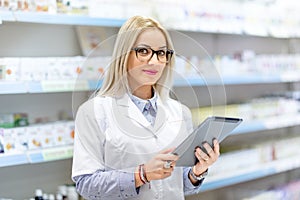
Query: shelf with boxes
(36, 143)
(16, 149)
(49, 74)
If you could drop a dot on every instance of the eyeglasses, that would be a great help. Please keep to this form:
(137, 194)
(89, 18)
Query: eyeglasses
(144, 54)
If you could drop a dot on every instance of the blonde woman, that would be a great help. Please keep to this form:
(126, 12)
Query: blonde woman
(124, 137)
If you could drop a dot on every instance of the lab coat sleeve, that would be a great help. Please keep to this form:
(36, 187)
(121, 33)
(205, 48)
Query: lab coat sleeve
(88, 169)
(109, 185)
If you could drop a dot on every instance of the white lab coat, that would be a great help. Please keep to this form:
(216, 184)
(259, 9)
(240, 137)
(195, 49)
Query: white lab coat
(112, 133)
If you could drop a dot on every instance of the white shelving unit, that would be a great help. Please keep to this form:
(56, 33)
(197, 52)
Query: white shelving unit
(62, 28)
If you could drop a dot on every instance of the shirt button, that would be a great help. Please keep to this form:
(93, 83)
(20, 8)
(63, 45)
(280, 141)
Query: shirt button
(156, 196)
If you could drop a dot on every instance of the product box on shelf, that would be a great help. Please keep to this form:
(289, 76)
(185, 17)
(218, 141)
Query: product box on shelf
(50, 68)
(6, 120)
(93, 68)
(9, 120)
(10, 68)
(50, 135)
(34, 137)
(14, 140)
(47, 135)
(77, 7)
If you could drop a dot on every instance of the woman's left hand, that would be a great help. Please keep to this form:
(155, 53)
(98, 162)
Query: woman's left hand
(206, 159)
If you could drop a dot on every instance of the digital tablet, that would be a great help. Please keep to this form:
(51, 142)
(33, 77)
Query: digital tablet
(210, 128)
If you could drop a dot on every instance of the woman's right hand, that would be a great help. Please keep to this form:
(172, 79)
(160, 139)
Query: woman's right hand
(155, 168)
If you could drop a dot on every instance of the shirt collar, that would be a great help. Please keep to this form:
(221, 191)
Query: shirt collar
(141, 103)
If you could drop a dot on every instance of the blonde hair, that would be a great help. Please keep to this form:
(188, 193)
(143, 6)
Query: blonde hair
(115, 82)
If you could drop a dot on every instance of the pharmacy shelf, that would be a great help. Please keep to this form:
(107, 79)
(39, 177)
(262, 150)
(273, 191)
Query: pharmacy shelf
(64, 152)
(36, 156)
(272, 122)
(252, 173)
(61, 19)
(18, 87)
(235, 80)
(12, 87)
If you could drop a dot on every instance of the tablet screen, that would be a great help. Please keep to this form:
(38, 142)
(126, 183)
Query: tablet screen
(210, 128)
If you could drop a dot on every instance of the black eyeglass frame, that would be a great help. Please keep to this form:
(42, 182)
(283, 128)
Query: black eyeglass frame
(168, 52)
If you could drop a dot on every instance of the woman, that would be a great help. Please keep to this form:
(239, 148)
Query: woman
(126, 134)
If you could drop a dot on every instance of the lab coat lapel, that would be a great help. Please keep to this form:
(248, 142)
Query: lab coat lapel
(127, 108)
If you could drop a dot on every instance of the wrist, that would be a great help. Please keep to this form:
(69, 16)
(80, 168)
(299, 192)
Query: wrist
(197, 177)
(198, 173)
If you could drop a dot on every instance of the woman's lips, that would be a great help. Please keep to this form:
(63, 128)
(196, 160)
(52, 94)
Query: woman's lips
(150, 72)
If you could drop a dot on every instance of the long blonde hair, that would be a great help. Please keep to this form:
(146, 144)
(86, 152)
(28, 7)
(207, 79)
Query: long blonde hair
(115, 82)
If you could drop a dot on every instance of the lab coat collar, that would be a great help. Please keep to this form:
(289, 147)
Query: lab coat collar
(127, 108)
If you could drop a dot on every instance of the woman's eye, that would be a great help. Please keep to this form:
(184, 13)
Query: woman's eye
(161, 53)
(143, 51)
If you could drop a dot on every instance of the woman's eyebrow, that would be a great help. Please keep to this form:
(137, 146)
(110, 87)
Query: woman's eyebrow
(145, 45)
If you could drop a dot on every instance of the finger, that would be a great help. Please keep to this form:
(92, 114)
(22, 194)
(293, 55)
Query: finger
(216, 147)
(197, 154)
(201, 155)
(208, 149)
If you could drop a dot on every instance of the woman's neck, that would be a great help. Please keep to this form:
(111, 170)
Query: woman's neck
(144, 92)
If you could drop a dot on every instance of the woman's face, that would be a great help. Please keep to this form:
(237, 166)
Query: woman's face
(144, 70)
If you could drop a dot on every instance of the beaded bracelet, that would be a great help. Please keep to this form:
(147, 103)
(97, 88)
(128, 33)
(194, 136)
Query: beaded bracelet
(143, 176)
(140, 174)
(143, 173)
